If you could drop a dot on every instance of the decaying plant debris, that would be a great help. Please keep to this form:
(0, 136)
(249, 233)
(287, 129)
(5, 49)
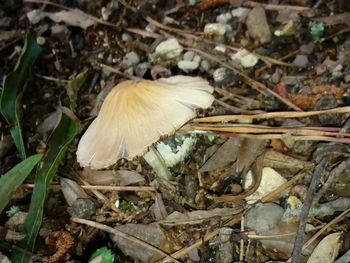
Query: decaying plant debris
(230, 121)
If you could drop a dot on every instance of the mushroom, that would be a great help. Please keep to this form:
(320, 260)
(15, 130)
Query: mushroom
(136, 114)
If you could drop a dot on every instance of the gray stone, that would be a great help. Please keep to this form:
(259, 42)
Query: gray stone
(169, 48)
(258, 27)
(131, 59)
(263, 217)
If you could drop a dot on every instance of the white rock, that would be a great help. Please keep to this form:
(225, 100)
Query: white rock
(141, 69)
(246, 58)
(184, 146)
(189, 55)
(40, 40)
(220, 48)
(197, 58)
(150, 28)
(216, 29)
(100, 55)
(169, 48)
(35, 16)
(106, 12)
(239, 11)
(223, 18)
(126, 37)
(220, 74)
(131, 59)
(270, 180)
(4, 259)
(188, 66)
(205, 65)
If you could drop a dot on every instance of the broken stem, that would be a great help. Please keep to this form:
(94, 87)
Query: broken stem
(156, 161)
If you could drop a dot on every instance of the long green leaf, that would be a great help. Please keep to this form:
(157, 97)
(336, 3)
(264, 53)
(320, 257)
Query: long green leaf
(13, 88)
(74, 86)
(15, 177)
(58, 143)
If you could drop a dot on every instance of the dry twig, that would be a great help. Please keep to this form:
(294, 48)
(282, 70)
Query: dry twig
(105, 187)
(299, 240)
(271, 115)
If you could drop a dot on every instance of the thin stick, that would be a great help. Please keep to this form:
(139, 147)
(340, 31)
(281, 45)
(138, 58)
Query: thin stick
(272, 115)
(241, 242)
(270, 136)
(260, 129)
(205, 4)
(121, 234)
(105, 187)
(333, 176)
(257, 175)
(299, 240)
(49, 78)
(229, 107)
(274, 236)
(109, 68)
(289, 55)
(171, 29)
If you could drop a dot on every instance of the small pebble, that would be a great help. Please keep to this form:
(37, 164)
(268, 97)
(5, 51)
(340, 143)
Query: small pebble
(142, 68)
(223, 18)
(126, 37)
(215, 29)
(258, 27)
(246, 58)
(106, 12)
(205, 65)
(263, 217)
(220, 49)
(131, 59)
(220, 74)
(100, 55)
(40, 40)
(188, 66)
(238, 12)
(150, 28)
(270, 180)
(189, 55)
(35, 16)
(301, 61)
(197, 59)
(169, 48)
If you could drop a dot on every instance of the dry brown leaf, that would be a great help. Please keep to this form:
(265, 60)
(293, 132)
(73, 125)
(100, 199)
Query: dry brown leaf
(74, 17)
(327, 250)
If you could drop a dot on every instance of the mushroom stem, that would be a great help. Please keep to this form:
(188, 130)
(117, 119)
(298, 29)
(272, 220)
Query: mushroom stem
(156, 161)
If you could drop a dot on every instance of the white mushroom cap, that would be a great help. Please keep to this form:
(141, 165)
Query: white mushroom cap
(135, 114)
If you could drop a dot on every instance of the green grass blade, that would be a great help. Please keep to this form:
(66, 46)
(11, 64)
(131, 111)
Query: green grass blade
(13, 88)
(74, 86)
(58, 143)
(15, 177)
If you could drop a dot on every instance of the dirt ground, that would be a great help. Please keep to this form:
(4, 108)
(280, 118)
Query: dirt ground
(261, 175)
